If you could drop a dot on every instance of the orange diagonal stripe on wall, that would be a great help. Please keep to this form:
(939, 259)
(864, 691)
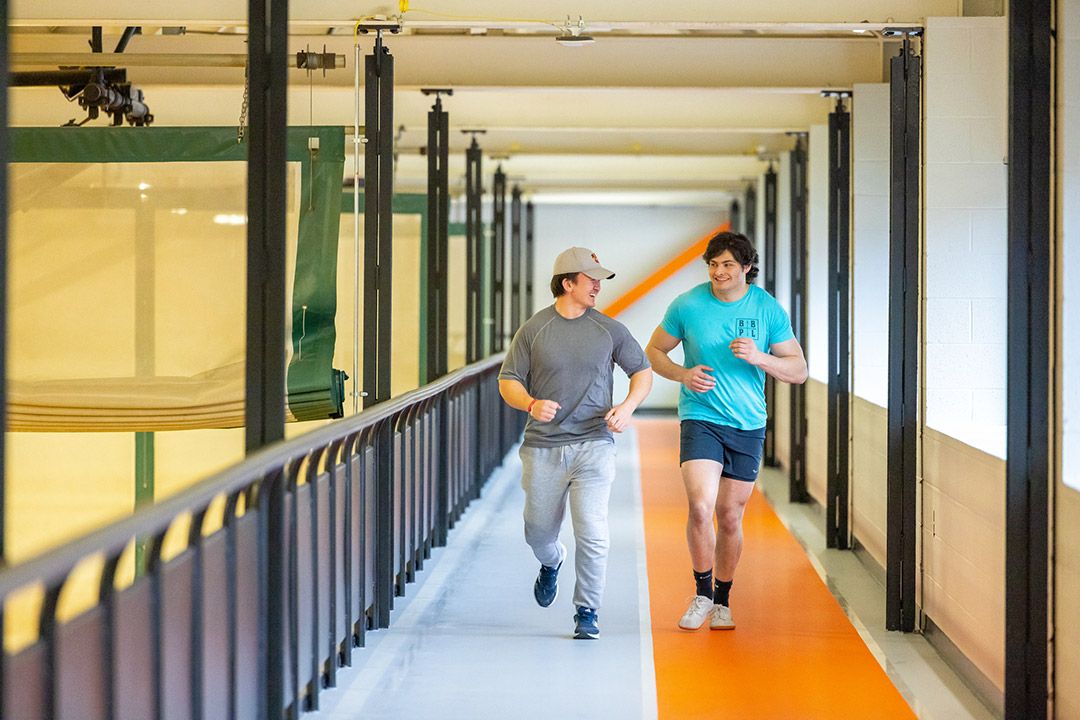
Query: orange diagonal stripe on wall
(677, 263)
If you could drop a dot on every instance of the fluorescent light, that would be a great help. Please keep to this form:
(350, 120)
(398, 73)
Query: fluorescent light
(226, 219)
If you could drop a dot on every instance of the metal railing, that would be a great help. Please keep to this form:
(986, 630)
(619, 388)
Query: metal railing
(318, 535)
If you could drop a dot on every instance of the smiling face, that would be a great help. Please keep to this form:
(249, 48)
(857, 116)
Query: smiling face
(582, 290)
(727, 275)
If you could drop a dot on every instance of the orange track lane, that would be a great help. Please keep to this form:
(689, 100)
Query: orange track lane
(793, 655)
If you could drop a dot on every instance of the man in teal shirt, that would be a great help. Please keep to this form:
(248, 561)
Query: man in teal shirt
(732, 334)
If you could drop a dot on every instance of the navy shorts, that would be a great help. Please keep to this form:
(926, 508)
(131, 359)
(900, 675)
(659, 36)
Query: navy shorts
(739, 451)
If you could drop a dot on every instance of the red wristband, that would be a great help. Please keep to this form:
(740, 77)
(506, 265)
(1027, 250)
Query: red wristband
(529, 409)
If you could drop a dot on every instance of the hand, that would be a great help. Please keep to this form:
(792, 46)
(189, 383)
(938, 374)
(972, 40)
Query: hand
(697, 379)
(618, 418)
(745, 349)
(544, 410)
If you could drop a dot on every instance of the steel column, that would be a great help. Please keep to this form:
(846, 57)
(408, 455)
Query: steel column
(770, 287)
(1032, 289)
(735, 217)
(438, 256)
(837, 491)
(797, 463)
(474, 323)
(530, 258)
(4, 145)
(498, 261)
(378, 221)
(903, 401)
(264, 410)
(750, 212)
(515, 261)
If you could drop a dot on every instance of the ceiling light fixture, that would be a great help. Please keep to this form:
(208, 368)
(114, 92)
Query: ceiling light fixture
(573, 35)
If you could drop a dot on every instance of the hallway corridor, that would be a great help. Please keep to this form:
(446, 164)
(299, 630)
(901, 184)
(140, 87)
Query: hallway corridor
(470, 642)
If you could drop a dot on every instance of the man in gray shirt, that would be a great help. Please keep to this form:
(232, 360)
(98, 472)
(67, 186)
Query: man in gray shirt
(559, 370)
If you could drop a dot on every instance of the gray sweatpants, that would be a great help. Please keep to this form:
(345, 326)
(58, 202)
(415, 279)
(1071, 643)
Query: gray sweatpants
(584, 472)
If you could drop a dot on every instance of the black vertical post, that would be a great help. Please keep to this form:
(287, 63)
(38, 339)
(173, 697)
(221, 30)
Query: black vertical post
(264, 411)
(750, 212)
(735, 217)
(438, 257)
(3, 292)
(1032, 288)
(797, 469)
(474, 313)
(378, 220)
(3, 314)
(530, 258)
(770, 287)
(837, 473)
(498, 260)
(515, 261)
(903, 410)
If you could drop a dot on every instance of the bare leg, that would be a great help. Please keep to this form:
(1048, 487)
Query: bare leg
(701, 479)
(731, 499)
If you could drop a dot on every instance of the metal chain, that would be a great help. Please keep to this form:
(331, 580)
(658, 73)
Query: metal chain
(243, 110)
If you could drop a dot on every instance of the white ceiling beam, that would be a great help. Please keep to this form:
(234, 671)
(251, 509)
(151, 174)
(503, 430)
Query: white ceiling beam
(332, 12)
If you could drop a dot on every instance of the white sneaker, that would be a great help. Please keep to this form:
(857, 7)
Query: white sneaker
(697, 613)
(720, 618)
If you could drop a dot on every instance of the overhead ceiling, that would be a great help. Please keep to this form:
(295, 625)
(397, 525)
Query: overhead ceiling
(673, 102)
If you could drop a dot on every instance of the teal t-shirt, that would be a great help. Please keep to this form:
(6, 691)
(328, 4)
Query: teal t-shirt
(707, 326)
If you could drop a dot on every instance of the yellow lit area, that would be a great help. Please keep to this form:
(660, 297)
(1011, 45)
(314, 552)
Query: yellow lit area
(126, 317)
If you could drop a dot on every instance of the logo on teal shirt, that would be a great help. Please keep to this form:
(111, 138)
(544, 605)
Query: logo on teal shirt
(747, 328)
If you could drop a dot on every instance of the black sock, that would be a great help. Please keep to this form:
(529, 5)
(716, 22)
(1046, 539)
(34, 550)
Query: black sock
(704, 583)
(720, 594)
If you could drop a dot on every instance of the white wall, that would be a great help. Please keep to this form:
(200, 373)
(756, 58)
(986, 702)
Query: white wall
(1070, 273)
(633, 242)
(966, 261)
(1067, 502)
(870, 242)
(817, 254)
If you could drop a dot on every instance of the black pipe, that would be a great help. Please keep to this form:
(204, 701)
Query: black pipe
(129, 31)
(47, 78)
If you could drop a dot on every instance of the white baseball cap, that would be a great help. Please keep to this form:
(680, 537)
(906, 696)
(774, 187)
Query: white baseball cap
(583, 260)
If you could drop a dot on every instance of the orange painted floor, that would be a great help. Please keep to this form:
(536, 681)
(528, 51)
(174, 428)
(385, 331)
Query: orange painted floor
(794, 654)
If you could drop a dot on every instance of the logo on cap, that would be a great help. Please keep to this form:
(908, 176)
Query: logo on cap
(594, 259)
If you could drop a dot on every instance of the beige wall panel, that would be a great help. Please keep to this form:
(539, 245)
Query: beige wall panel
(963, 549)
(817, 438)
(954, 619)
(869, 476)
(1067, 624)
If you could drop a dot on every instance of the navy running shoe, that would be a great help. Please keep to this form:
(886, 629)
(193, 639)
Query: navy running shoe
(586, 628)
(546, 588)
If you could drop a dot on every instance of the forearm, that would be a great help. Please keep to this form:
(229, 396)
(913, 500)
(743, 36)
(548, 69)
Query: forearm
(664, 366)
(640, 385)
(789, 369)
(515, 394)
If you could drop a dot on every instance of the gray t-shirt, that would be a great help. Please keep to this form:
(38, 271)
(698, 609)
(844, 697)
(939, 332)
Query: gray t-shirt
(570, 362)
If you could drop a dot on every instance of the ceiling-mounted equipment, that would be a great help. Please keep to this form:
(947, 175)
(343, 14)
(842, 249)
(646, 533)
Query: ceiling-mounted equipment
(574, 35)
